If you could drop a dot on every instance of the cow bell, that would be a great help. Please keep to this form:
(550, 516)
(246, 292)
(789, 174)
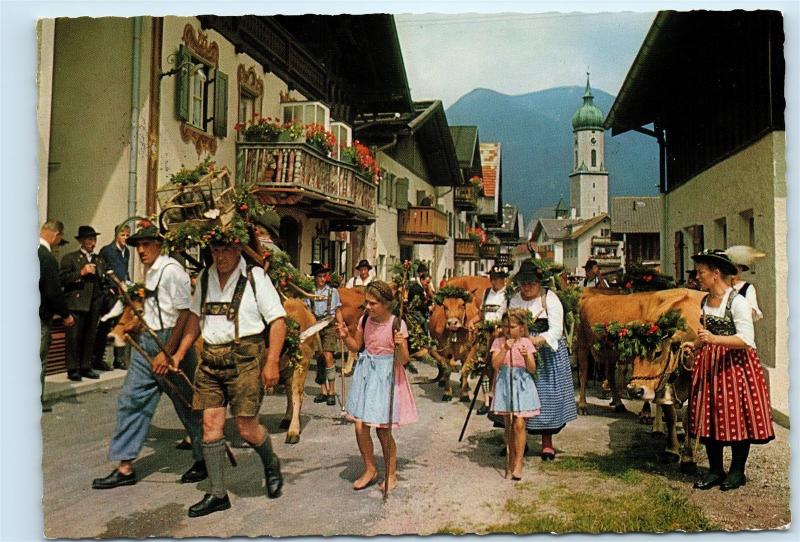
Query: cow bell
(665, 397)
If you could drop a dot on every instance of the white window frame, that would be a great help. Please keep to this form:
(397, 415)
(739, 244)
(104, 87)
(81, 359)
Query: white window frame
(306, 113)
(344, 137)
(198, 120)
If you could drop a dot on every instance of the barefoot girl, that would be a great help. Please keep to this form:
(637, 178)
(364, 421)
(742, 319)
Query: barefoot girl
(515, 395)
(368, 401)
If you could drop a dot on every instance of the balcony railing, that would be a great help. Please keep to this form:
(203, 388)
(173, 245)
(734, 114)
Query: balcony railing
(599, 241)
(422, 225)
(465, 198)
(467, 249)
(297, 174)
(504, 258)
(607, 260)
(489, 251)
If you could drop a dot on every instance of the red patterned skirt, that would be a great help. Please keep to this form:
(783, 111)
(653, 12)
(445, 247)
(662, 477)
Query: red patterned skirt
(729, 400)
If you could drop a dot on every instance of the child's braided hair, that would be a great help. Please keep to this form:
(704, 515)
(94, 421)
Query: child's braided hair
(381, 290)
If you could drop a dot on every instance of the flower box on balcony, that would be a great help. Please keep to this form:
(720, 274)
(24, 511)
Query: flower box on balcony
(465, 198)
(466, 249)
(298, 174)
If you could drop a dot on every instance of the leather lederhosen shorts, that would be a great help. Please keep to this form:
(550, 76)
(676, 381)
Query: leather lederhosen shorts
(230, 374)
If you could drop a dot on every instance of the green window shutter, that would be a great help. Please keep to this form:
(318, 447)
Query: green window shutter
(182, 84)
(220, 104)
(401, 193)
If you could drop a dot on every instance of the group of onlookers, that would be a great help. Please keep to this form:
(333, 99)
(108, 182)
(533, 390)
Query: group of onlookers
(79, 292)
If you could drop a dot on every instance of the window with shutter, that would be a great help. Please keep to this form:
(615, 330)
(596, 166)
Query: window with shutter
(220, 104)
(401, 193)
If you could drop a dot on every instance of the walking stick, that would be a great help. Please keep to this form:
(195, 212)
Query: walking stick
(484, 374)
(510, 430)
(396, 326)
(343, 397)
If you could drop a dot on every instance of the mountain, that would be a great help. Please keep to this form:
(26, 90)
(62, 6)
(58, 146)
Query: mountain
(536, 134)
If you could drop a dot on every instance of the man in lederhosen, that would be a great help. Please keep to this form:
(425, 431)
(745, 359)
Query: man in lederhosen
(326, 304)
(233, 305)
(168, 294)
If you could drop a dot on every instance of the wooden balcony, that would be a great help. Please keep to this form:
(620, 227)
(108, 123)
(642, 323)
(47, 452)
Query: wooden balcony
(296, 174)
(422, 226)
(467, 249)
(465, 198)
(604, 241)
(489, 251)
(504, 259)
(608, 261)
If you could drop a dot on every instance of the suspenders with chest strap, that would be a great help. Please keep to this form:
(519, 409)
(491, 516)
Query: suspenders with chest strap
(229, 309)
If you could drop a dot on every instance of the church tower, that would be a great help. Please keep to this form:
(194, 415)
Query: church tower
(589, 177)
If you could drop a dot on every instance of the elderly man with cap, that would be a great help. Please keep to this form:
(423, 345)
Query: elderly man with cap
(234, 307)
(326, 304)
(166, 311)
(493, 307)
(83, 276)
(593, 277)
(52, 301)
(554, 371)
(364, 276)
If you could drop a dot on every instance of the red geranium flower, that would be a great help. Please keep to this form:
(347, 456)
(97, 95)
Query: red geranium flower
(647, 278)
(623, 332)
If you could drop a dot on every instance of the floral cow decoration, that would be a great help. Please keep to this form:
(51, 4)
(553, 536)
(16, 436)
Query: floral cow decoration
(634, 339)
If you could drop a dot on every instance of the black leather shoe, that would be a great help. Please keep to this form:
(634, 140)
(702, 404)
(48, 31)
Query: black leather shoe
(482, 411)
(709, 480)
(331, 400)
(733, 480)
(209, 505)
(115, 479)
(321, 398)
(273, 478)
(75, 376)
(196, 473)
(90, 373)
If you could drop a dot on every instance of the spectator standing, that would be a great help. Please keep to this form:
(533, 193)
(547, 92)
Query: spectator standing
(82, 274)
(363, 276)
(52, 301)
(117, 257)
(594, 279)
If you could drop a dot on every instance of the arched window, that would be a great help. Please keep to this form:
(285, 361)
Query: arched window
(594, 158)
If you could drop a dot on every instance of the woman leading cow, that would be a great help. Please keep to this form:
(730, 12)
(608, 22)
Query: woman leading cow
(730, 403)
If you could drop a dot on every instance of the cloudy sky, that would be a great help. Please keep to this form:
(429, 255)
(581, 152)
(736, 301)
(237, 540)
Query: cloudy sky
(447, 55)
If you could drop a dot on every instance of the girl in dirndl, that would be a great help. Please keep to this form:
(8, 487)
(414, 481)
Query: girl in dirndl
(376, 340)
(515, 396)
(730, 403)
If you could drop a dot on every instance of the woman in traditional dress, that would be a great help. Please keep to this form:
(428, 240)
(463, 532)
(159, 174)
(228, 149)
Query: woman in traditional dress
(554, 372)
(377, 340)
(729, 400)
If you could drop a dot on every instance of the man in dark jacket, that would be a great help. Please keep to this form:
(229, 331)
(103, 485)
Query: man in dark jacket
(52, 301)
(116, 256)
(82, 275)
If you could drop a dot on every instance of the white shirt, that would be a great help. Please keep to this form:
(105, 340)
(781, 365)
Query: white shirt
(750, 296)
(217, 329)
(174, 292)
(45, 244)
(494, 305)
(596, 282)
(89, 255)
(555, 315)
(358, 281)
(742, 316)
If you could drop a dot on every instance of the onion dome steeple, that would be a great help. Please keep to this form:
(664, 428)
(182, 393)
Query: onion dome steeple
(588, 116)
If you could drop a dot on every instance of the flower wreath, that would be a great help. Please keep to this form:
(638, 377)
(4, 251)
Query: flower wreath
(637, 338)
(452, 291)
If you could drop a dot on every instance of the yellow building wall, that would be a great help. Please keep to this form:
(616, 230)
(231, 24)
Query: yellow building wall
(89, 147)
(752, 180)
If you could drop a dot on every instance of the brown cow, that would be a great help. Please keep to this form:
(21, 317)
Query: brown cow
(292, 378)
(473, 284)
(649, 375)
(353, 302)
(456, 342)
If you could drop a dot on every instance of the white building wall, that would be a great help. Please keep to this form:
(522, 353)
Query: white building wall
(751, 181)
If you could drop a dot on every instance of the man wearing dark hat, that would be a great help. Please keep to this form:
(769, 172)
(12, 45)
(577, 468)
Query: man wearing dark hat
(52, 301)
(363, 278)
(168, 295)
(82, 274)
(326, 304)
(233, 306)
(593, 277)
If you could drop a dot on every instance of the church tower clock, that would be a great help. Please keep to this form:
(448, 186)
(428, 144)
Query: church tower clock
(589, 176)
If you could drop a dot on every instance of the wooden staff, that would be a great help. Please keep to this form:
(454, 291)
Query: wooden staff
(484, 374)
(342, 360)
(396, 326)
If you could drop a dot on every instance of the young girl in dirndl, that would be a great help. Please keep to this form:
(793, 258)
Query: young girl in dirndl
(515, 395)
(730, 403)
(377, 340)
